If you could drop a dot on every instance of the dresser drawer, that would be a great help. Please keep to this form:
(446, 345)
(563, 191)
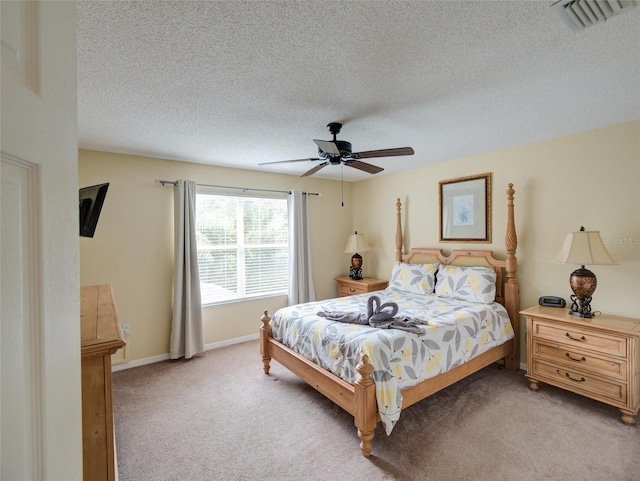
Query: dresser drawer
(584, 361)
(579, 382)
(584, 338)
(350, 289)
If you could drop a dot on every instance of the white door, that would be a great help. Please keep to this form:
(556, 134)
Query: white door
(40, 396)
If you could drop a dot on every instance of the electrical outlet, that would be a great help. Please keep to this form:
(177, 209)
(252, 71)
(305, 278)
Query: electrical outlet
(126, 330)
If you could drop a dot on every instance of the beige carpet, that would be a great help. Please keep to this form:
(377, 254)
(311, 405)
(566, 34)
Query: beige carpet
(218, 417)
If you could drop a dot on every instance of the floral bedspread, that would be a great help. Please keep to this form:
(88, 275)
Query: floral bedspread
(454, 332)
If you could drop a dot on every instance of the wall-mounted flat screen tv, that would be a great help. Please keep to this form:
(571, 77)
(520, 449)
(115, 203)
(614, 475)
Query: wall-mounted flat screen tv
(91, 200)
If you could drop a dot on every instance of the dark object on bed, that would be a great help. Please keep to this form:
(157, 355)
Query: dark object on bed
(381, 316)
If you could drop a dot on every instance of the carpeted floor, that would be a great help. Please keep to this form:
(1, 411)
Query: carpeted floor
(218, 417)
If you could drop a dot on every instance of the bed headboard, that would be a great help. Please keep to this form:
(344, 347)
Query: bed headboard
(507, 288)
(460, 257)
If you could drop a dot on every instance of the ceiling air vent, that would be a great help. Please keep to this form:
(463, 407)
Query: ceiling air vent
(579, 14)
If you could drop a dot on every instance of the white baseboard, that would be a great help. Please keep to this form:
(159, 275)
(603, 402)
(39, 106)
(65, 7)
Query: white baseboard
(164, 357)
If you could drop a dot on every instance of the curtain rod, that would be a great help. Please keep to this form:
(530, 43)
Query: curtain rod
(243, 189)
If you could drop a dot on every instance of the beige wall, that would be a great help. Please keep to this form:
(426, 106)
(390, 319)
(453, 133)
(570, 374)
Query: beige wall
(590, 179)
(133, 246)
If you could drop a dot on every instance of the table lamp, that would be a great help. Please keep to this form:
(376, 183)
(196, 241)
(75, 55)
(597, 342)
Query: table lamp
(583, 248)
(356, 243)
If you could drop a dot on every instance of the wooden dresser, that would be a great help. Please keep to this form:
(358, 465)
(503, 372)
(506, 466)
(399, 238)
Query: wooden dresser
(101, 336)
(349, 287)
(598, 357)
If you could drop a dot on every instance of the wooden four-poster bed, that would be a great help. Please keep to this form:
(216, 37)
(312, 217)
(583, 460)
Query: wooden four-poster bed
(360, 397)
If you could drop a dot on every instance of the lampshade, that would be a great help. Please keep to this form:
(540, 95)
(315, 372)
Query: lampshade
(356, 243)
(583, 248)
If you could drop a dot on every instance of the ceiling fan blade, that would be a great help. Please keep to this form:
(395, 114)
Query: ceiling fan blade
(383, 153)
(315, 169)
(287, 161)
(356, 164)
(327, 146)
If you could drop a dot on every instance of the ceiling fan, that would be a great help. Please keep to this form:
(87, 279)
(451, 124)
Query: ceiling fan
(336, 152)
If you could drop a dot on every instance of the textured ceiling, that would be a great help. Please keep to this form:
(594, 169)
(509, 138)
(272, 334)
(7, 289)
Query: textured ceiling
(237, 83)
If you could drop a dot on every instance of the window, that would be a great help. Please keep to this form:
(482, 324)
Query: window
(243, 246)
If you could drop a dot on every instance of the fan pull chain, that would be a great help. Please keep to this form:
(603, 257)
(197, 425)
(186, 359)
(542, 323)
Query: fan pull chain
(342, 182)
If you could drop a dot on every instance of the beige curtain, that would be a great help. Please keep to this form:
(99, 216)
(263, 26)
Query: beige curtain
(187, 338)
(300, 275)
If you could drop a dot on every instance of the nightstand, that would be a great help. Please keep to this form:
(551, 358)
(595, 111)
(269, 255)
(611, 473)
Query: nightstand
(598, 358)
(349, 287)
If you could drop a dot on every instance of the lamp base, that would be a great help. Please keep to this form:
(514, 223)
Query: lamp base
(583, 284)
(581, 307)
(355, 271)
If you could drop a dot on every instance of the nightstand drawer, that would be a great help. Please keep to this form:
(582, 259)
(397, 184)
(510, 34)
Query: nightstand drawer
(584, 338)
(614, 368)
(580, 383)
(350, 289)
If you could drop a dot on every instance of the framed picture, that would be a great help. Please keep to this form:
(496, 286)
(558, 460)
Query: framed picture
(465, 209)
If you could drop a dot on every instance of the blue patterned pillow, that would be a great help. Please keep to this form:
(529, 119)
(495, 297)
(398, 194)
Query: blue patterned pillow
(473, 284)
(415, 278)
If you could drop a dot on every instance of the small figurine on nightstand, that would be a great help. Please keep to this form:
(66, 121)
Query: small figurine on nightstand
(355, 271)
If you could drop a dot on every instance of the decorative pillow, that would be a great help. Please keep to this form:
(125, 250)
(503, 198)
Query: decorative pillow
(473, 284)
(415, 278)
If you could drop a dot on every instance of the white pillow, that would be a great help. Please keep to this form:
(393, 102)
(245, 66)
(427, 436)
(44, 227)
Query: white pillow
(415, 278)
(473, 284)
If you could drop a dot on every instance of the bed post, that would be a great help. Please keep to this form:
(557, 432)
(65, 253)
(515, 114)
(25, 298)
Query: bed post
(366, 408)
(265, 334)
(512, 294)
(399, 239)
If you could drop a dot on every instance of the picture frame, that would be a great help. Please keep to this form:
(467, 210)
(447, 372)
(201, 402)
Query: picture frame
(465, 209)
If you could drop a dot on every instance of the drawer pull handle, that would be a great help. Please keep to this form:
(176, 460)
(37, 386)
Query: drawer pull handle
(351, 289)
(582, 338)
(572, 378)
(582, 359)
